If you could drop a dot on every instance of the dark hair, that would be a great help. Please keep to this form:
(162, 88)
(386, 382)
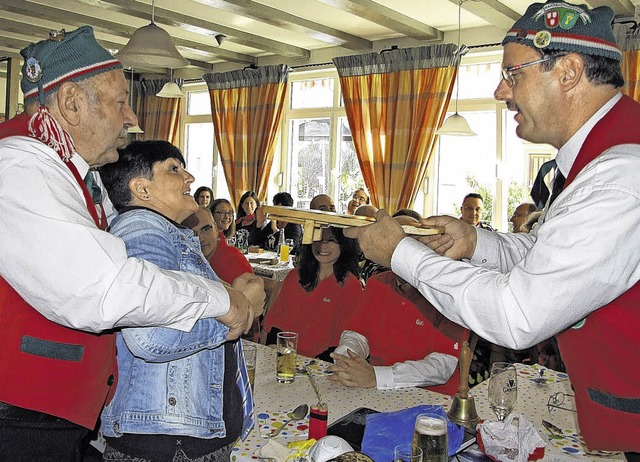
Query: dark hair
(346, 263)
(598, 69)
(200, 190)
(473, 195)
(283, 198)
(231, 231)
(241, 213)
(135, 161)
(407, 213)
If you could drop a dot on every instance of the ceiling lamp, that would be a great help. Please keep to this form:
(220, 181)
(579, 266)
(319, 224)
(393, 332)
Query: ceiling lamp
(456, 125)
(151, 46)
(136, 128)
(170, 89)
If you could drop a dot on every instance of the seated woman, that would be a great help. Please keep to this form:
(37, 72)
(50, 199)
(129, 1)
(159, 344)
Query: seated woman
(270, 233)
(408, 341)
(316, 294)
(203, 196)
(248, 219)
(180, 394)
(222, 212)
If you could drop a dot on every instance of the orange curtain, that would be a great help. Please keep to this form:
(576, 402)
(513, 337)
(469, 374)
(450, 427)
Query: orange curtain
(246, 107)
(395, 101)
(631, 73)
(159, 118)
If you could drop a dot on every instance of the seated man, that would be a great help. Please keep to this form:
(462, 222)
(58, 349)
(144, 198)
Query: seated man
(408, 341)
(270, 233)
(520, 215)
(360, 197)
(471, 211)
(323, 203)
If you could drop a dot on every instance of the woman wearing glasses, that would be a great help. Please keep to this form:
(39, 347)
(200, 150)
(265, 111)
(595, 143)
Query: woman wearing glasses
(223, 215)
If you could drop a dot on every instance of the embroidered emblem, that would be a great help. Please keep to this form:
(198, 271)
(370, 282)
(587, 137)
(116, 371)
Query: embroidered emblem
(542, 39)
(33, 70)
(56, 35)
(419, 322)
(326, 300)
(579, 324)
(561, 14)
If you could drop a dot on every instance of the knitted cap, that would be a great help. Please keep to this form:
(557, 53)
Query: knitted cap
(558, 25)
(71, 56)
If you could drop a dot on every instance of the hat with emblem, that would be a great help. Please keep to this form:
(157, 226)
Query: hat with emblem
(71, 56)
(558, 25)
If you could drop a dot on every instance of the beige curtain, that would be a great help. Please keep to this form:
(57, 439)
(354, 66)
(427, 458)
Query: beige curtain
(395, 101)
(631, 64)
(158, 117)
(246, 107)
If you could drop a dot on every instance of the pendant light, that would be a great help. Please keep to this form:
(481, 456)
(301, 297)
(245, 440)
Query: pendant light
(151, 46)
(170, 89)
(136, 128)
(456, 125)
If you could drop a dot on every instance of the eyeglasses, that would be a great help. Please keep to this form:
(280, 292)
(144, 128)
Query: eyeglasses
(507, 72)
(557, 400)
(228, 213)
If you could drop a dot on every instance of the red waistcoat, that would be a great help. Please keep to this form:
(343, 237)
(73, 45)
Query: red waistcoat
(47, 367)
(602, 355)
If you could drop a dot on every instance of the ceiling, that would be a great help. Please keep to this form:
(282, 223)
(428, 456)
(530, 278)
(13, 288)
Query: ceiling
(294, 32)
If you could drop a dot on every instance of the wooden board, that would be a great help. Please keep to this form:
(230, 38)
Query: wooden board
(313, 221)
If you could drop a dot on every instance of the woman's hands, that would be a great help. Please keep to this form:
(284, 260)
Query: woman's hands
(352, 371)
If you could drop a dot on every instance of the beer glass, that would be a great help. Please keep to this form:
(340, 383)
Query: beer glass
(250, 357)
(407, 453)
(430, 435)
(287, 348)
(503, 389)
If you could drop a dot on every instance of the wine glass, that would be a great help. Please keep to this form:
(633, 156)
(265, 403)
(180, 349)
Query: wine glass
(503, 389)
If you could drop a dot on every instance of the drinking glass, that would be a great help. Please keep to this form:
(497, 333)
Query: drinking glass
(250, 357)
(287, 348)
(430, 435)
(503, 389)
(407, 453)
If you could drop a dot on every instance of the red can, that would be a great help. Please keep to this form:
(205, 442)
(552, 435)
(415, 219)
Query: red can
(318, 421)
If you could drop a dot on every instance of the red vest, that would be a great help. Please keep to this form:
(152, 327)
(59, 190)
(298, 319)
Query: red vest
(602, 355)
(47, 367)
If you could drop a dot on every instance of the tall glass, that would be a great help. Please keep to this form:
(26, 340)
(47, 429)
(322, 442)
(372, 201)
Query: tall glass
(287, 348)
(407, 453)
(430, 435)
(250, 360)
(503, 389)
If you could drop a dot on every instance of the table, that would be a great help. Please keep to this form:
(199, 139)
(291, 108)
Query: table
(534, 390)
(277, 272)
(274, 400)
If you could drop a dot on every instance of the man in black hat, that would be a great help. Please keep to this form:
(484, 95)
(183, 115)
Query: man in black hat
(63, 279)
(576, 274)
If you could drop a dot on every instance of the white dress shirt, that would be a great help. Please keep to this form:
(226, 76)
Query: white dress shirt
(519, 289)
(433, 369)
(76, 275)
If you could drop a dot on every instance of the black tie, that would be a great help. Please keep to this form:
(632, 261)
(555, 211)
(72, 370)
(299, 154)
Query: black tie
(93, 187)
(539, 190)
(558, 185)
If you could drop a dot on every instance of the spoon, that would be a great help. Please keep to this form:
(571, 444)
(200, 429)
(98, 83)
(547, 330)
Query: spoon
(298, 413)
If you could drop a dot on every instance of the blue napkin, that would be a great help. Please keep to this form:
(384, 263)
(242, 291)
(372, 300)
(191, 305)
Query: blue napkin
(385, 430)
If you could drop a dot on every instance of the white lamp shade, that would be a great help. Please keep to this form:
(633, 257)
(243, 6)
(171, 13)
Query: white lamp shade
(455, 125)
(151, 46)
(170, 90)
(135, 129)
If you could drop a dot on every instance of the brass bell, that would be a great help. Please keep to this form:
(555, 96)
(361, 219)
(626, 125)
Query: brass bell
(463, 408)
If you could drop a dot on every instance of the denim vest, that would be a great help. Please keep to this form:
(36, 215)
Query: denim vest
(171, 381)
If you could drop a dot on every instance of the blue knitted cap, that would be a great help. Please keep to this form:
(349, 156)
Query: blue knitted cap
(558, 25)
(62, 57)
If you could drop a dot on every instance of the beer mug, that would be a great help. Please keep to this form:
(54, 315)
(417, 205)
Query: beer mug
(430, 435)
(287, 348)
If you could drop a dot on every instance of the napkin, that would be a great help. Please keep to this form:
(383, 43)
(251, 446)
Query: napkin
(510, 441)
(385, 430)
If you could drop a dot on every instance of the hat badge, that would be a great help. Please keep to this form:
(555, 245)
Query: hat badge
(33, 70)
(56, 35)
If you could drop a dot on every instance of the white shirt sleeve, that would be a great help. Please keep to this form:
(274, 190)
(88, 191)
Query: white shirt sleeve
(434, 369)
(74, 274)
(357, 343)
(583, 256)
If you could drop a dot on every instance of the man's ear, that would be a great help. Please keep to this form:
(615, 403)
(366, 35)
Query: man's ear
(70, 102)
(138, 188)
(571, 69)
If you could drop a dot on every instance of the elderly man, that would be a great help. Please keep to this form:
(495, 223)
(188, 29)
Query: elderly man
(520, 215)
(63, 279)
(564, 278)
(322, 202)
